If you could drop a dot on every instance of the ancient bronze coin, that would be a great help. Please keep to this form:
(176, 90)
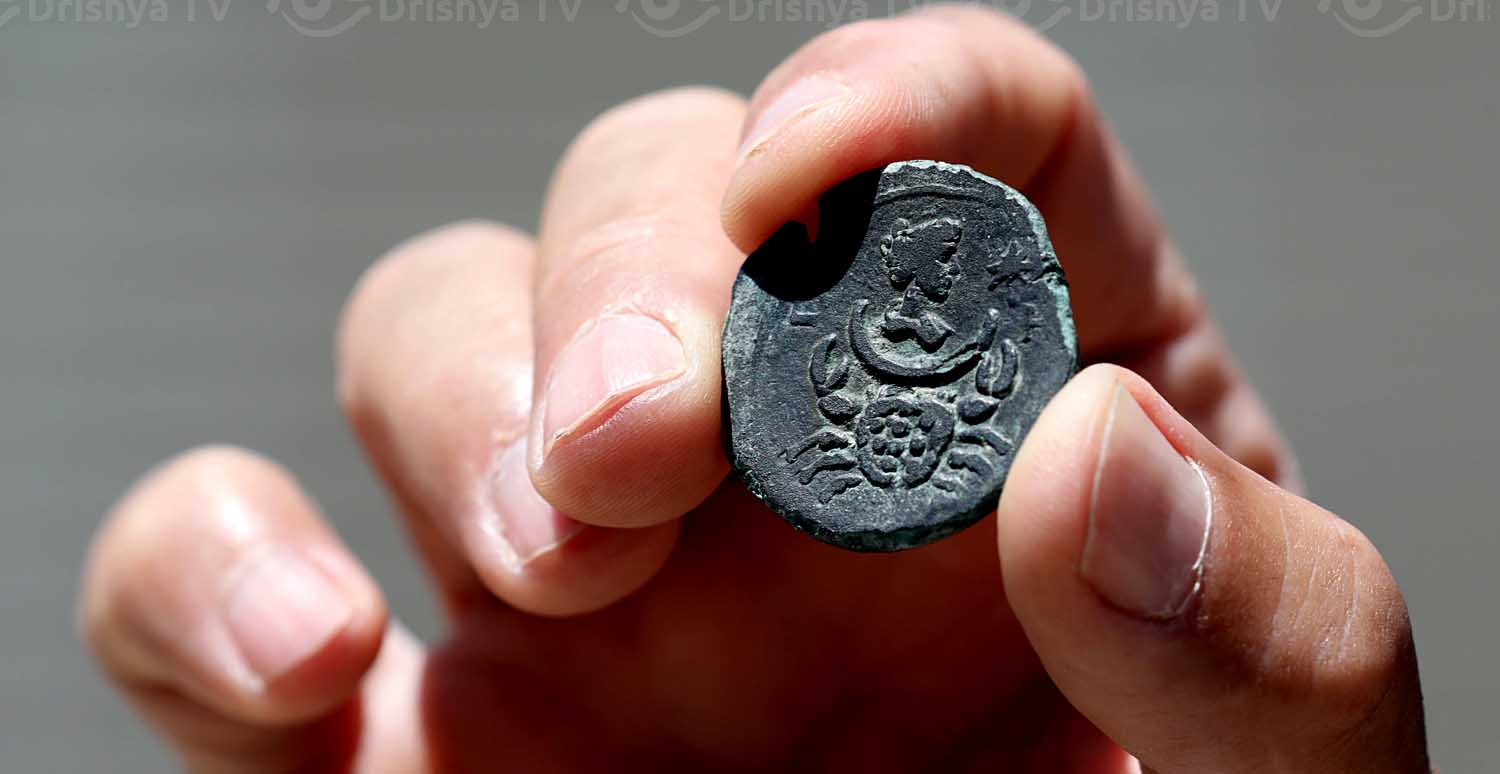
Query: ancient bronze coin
(878, 381)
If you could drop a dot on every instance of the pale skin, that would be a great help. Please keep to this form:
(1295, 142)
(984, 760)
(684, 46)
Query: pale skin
(669, 621)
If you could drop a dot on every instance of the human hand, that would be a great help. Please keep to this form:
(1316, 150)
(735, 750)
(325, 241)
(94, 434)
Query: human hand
(1155, 590)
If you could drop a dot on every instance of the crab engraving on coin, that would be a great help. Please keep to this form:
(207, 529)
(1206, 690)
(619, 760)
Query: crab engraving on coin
(878, 381)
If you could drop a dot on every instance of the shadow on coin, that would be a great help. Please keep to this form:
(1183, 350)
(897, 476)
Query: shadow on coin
(790, 266)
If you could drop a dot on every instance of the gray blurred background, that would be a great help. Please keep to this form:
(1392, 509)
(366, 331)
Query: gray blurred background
(185, 202)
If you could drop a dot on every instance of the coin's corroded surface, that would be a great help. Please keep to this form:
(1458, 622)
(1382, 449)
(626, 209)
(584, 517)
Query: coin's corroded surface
(878, 382)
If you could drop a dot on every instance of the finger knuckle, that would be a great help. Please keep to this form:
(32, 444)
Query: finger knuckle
(195, 470)
(154, 506)
(210, 461)
(644, 115)
(988, 17)
(147, 516)
(855, 41)
(991, 24)
(1074, 82)
(153, 510)
(611, 252)
(411, 273)
(986, 41)
(390, 276)
(988, 33)
(1058, 69)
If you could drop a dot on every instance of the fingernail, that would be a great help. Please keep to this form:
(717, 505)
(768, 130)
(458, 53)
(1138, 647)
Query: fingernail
(803, 98)
(1149, 517)
(280, 610)
(527, 525)
(603, 368)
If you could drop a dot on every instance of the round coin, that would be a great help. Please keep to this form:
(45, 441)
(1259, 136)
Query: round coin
(878, 381)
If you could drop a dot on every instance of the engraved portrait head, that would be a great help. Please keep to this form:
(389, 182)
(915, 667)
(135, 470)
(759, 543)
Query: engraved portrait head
(923, 254)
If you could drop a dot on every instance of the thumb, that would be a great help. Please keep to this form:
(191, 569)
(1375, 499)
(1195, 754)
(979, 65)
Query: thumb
(1199, 615)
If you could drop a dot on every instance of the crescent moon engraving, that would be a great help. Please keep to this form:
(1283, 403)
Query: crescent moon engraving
(937, 367)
